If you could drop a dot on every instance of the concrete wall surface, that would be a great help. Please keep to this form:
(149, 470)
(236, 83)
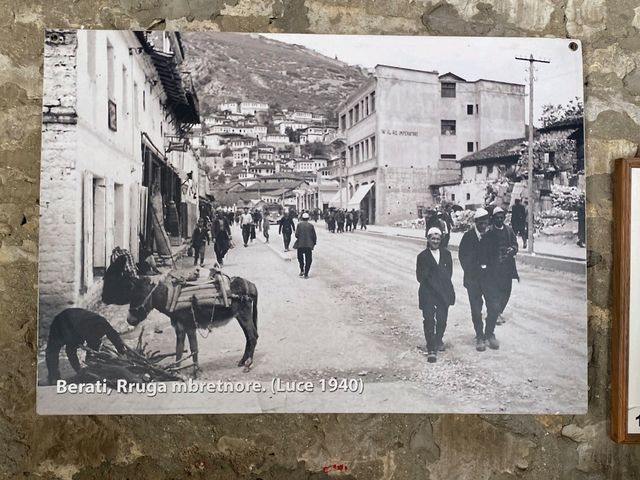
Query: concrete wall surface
(300, 446)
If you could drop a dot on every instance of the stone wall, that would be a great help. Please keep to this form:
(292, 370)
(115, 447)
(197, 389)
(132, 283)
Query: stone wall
(301, 446)
(61, 185)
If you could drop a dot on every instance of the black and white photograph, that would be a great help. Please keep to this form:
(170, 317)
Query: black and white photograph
(248, 223)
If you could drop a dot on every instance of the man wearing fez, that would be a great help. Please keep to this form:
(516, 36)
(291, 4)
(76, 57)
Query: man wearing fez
(473, 254)
(434, 268)
(502, 247)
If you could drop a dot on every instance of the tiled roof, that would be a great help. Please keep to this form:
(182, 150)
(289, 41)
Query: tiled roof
(504, 149)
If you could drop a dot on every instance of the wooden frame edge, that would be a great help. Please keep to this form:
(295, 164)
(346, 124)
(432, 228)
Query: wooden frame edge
(621, 294)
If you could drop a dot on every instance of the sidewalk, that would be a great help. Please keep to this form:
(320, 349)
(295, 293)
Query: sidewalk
(549, 255)
(541, 247)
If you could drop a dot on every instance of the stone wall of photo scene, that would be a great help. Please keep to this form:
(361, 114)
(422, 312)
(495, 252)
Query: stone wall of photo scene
(312, 446)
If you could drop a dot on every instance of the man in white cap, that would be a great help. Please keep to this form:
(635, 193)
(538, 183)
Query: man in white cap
(305, 241)
(472, 254)
(502, 247)
(434, 268)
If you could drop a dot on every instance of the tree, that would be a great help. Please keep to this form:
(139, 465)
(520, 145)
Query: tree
(556, 113)
(315, 149)
(228, 164)
(294, 135)
(226, 152)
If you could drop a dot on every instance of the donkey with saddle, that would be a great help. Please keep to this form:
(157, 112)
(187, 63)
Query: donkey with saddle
(193, 304)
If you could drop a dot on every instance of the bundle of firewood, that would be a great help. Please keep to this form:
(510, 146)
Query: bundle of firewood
(136, 365)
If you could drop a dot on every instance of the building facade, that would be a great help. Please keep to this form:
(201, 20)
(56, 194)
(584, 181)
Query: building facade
(108, 135)
(404, 130)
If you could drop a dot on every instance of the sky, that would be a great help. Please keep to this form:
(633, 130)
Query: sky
(471, 58)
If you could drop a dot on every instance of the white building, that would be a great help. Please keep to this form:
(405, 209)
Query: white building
(244, 108)
(276, 139)
(403, 131)
(301, 116)
(293, 125)
(116, 120)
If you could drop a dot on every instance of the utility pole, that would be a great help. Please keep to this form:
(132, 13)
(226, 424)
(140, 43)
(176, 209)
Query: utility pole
(340, 179)
(531, 61)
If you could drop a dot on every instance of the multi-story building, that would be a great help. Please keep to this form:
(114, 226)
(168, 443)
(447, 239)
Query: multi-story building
(301, 116)
(277, 139)
(243, 108)
(291, 124)
(117, 112)
(253, 131)
(403, 131)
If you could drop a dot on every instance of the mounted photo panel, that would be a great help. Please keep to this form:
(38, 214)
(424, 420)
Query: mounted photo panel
(247, 223)
(625, 348)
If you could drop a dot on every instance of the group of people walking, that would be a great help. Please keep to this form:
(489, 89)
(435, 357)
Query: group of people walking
(216, 229)
(487, 256)
(338, 220)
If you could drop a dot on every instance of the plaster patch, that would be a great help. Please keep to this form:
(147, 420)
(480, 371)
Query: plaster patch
(63, 472)
(526, 14)
(612, 59)
(585, 17)
(325, 18)
(600, 153)
(245, 8)
(636, 18)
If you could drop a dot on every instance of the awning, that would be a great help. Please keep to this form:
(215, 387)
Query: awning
(335, 200)
(362, 191)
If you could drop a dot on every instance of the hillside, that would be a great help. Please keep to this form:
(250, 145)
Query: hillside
(232, 67)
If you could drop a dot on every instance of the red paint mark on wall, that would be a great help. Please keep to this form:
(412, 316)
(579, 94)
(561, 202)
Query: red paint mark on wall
(336, 467)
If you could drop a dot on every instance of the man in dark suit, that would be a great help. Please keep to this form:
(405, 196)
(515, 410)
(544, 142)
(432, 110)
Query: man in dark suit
(286, 228)
(305, 241)
(434, 268)
(473, 255)
(502, 247)
(519, 220)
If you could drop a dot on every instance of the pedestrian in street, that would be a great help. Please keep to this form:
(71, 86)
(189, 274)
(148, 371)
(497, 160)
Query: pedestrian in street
(221, 234)
(199, 240)
(502, 247)
(473, 259)
(286, 228)
(265, 227)
(305, 241)
(246, 221)
(340, 220)
(446, 229)
(582, 220)
(349, 220)
(356, 217)
(434, 268)
(519, 221)
(257, 218)
(363, 221)
(332, 222)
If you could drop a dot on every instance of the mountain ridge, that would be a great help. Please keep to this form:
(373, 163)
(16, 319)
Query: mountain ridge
(227, 67)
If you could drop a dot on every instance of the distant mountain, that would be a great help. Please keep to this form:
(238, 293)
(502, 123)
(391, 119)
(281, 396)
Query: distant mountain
(228, 67)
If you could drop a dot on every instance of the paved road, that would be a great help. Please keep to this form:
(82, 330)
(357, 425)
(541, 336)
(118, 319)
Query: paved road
(357, 316)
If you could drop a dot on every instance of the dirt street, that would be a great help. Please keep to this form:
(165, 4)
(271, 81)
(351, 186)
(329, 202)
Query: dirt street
(357, 317)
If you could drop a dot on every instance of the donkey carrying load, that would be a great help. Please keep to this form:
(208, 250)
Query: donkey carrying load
(192, 305)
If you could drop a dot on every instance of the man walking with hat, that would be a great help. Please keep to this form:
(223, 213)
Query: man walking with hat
(434, 268)
(305, 241)
(473, 255)
(502, 247)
